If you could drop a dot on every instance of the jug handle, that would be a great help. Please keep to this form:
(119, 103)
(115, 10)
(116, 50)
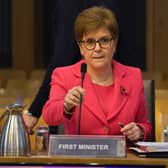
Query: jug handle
(3, 115)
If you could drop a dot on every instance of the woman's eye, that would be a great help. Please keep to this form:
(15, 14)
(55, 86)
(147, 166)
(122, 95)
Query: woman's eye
(90, 41)
(104, 40)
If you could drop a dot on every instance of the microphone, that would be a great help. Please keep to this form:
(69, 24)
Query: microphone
(83, 71)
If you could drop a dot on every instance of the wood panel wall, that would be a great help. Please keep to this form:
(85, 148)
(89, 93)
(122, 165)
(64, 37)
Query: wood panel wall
(160, 29)
(26, 49)
(23, 34)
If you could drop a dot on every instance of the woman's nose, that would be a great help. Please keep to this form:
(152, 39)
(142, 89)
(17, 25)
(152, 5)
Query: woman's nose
(97, 46)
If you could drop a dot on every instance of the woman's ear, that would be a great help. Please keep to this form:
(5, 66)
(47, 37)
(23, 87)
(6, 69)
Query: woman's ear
(81, 49)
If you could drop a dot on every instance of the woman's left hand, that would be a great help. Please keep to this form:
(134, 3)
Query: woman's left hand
(132, 131)
(30, 121)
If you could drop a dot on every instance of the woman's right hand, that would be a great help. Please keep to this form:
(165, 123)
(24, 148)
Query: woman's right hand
(73, 97)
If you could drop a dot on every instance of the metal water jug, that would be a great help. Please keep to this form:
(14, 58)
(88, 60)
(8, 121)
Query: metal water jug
(14, 140)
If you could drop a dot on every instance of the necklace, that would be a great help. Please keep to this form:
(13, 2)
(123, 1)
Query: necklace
(102, 83)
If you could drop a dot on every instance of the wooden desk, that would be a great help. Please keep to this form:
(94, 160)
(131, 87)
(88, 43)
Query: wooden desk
(131, 159)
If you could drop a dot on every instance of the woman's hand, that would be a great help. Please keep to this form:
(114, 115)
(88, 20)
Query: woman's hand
(132, 131)
(30, 122)
(73, 97)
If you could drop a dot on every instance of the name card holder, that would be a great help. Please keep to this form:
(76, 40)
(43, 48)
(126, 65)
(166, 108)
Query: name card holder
(87, 145)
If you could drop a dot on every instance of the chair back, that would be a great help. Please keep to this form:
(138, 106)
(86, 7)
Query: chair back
(37, 74)
(149, 90)
(6, 74)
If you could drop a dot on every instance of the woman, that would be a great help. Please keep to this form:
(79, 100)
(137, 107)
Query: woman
(112, 93)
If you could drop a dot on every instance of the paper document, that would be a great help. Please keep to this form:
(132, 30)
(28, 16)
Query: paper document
(153, 146)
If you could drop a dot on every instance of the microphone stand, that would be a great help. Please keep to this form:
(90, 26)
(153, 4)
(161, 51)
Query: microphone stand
(83, 71)
(79, 117)
(80, 110)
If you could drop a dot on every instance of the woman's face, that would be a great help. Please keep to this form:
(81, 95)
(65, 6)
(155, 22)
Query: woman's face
(98, 57)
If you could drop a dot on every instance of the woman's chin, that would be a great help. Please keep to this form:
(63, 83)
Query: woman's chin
(99, 65)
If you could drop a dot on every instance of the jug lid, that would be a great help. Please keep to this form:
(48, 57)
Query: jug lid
(14, 106)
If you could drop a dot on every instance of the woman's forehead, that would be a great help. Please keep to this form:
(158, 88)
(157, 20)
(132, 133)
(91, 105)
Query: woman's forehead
(102, 31)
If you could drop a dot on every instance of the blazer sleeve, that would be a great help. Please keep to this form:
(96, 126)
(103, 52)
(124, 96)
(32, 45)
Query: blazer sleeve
(52, 112)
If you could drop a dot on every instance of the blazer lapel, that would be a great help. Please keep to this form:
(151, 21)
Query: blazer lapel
(121, 91)
(90, 100)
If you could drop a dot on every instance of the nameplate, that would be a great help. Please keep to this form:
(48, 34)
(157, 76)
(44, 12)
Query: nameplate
(87, 145)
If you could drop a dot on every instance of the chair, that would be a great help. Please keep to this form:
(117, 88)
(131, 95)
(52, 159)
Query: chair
(56, 129)
(12, 74)
(6, 74)
(37, 74)
(149, 90)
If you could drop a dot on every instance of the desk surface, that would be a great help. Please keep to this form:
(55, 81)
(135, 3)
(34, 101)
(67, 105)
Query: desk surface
(131, 159)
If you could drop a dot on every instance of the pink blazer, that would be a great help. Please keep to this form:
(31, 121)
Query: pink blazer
(128, 103)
